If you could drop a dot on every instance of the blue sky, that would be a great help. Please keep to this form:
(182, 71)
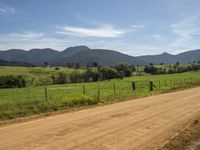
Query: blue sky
(134, 27)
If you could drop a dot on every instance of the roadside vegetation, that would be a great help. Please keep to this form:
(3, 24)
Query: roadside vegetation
(19, 102)
(32, 90)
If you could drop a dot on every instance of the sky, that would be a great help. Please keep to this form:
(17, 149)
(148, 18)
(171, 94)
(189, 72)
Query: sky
(134, 27)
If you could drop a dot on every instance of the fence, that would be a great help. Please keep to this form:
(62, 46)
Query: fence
(22, 101)
(102, 91)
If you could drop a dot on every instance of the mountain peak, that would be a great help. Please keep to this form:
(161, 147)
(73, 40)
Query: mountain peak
(80, 47)
(165, 53)
(70, 51)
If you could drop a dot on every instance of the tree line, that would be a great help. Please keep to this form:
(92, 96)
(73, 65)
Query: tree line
(95, 74)
(176, 68)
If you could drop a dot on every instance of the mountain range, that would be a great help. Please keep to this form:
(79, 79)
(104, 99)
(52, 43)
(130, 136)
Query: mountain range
(84, 55)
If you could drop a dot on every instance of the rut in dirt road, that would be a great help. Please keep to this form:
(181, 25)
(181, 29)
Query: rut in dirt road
(145, 123)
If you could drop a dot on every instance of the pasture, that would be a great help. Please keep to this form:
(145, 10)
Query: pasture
(36, 75)
(19, 102)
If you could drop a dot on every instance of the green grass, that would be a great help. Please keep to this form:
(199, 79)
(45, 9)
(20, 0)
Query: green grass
(35, 75)
(20, 102)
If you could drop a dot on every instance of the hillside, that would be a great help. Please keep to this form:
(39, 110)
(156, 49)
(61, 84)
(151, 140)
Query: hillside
(103, 57)
(14, 63)
(79, 54)
(84, 55)
(185, 57)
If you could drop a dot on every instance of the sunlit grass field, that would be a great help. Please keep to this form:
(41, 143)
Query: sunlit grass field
(20, 102)
(36, 75)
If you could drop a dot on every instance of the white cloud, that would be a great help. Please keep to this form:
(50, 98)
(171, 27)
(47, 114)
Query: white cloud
(29, 40)
(103, 31)
(185, 33)
(136, 27)
(158, 37)
(4, 9)
(19, 36)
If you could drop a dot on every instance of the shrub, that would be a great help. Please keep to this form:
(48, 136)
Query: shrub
(125, 69)
(92, 74)
(108, 73)
(60, 79)
(76, 77)
(12, 81)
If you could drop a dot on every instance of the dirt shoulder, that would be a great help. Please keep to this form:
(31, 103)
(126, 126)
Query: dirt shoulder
(186, 138)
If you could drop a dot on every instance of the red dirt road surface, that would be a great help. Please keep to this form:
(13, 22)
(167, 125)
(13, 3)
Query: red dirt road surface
(144, 123)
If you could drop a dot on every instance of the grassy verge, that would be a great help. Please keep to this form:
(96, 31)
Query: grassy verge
(22, 102)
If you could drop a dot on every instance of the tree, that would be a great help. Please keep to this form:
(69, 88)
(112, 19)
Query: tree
(60, 79)
(76, 77)
(176, 65)
(11, 81)
(77, 66)
(125, 69)
(107, 73)
(161, 63)
(92, 74)
(45, 64)
(151, 64)
(70, 65)
(96, 64)
(150, 69)
(198, 62)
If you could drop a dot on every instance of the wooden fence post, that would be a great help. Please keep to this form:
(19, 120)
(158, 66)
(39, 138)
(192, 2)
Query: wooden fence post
(165, 83)
(151, 86)
(83, 89)
(98, 93)
(46, 96)
(170, 83)
(114, 89)
(159, 83)
(133, 87)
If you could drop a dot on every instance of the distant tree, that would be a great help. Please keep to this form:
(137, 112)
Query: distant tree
(11, 81)
(88, 65)
(70, 65)
(125, 69)
(96, 64)
(137, 69)
(45, 64)
(176, 65)
(151, 69)
(161, 63)
(77, 66)
(92, 74)
(57, 68)
(76, 77)
(151, 64)
(107, 73)
(60, 79)
(133, 68)
(198, 62)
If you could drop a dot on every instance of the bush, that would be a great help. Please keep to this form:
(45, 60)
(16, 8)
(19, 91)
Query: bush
(92, 74)
(125, 69)
(76, 77)
(108, 73)
(60, 79)
(12, 81)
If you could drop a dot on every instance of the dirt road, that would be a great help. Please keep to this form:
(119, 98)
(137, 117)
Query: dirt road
(144, 123)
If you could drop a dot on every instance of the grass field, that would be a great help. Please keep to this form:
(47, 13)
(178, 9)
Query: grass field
(20, 102)
(35, 75)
